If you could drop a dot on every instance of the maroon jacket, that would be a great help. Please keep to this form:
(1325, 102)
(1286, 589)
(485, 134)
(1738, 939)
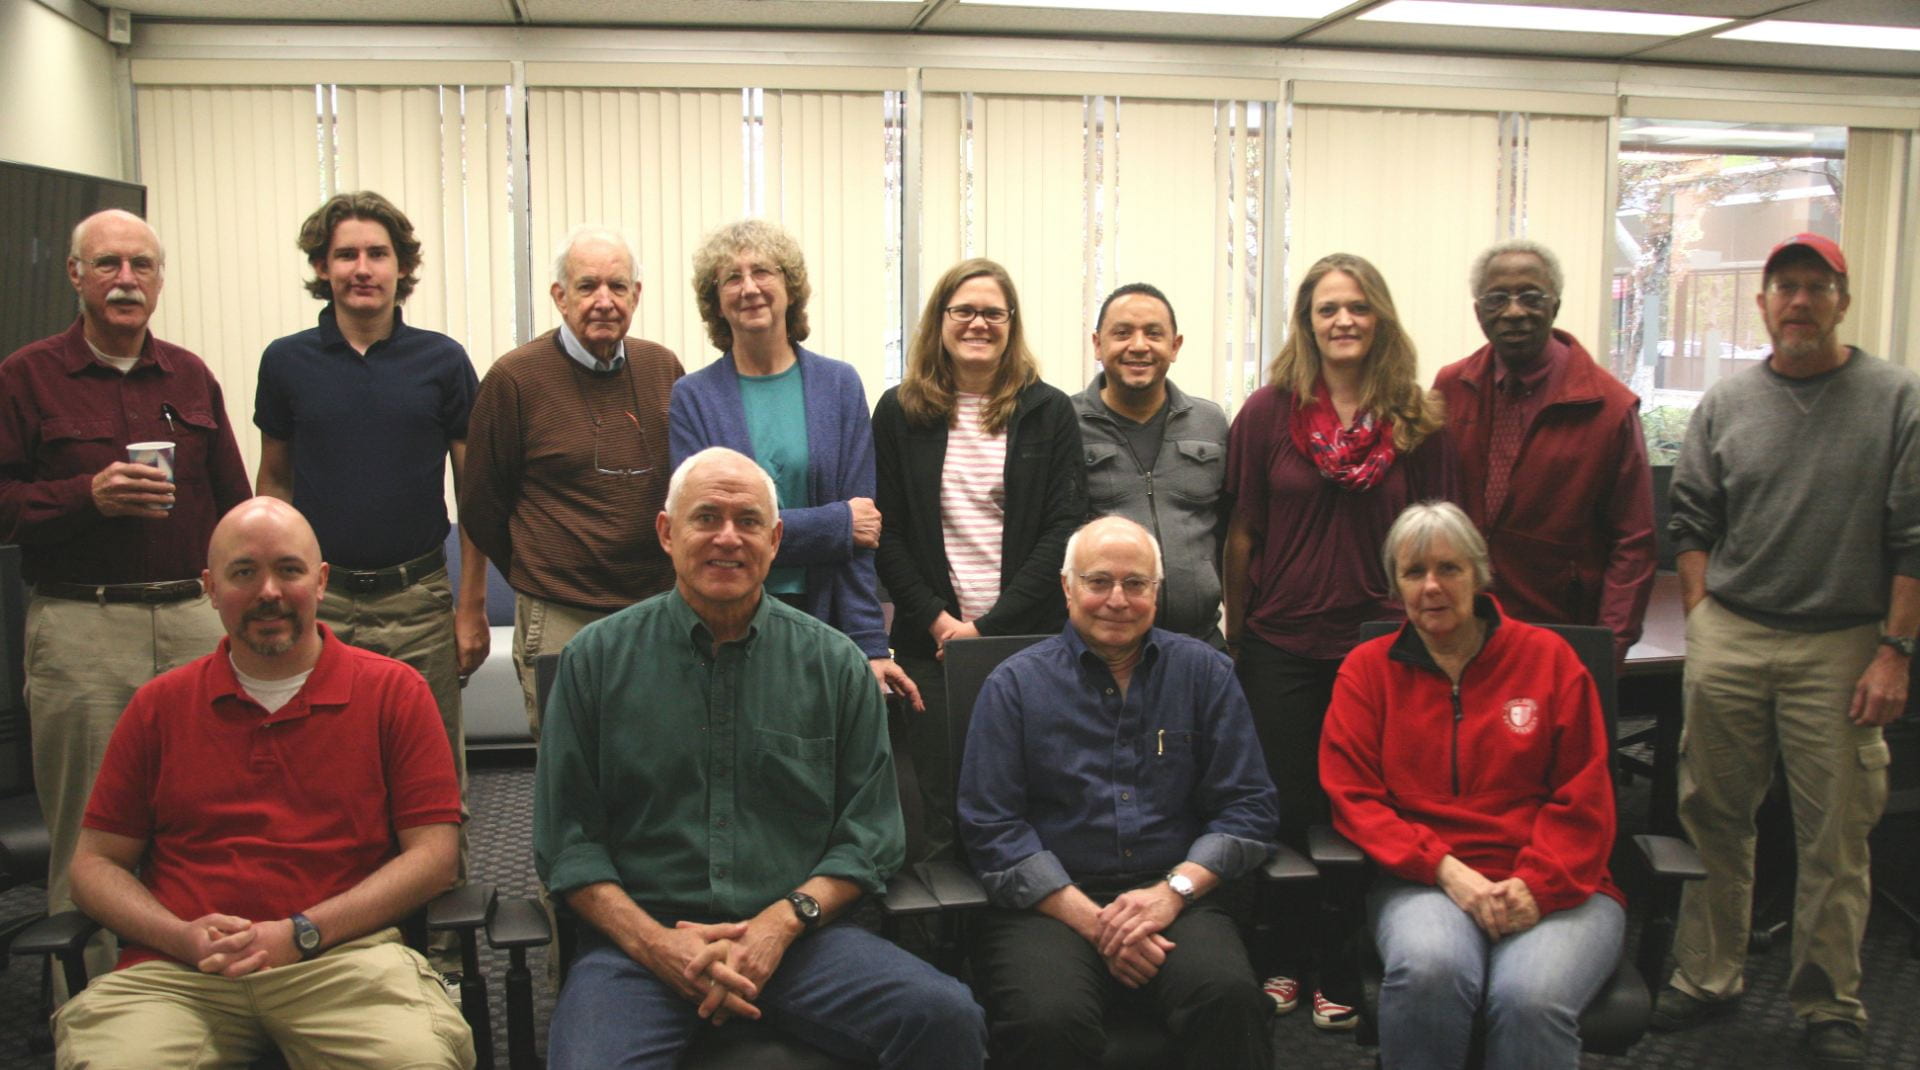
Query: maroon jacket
(1573, 543)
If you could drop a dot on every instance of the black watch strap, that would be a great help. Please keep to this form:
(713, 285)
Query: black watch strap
(1902, 643)
(806, 908)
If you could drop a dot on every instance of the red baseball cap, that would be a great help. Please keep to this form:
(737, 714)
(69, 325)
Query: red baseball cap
(1829, 251)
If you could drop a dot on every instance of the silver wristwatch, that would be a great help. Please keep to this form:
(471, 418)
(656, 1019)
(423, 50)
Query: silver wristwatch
(1181, 883)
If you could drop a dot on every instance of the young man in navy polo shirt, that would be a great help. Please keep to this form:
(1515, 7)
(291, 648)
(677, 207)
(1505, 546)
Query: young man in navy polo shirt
(357, 417)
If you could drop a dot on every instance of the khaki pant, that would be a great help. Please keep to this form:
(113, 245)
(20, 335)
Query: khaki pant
(542, 627)
(414, 625)
(1752, 693)
(84, 661)
(371, 1002)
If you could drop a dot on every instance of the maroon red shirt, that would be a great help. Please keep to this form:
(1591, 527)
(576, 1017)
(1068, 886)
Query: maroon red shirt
(1315, 576)
(64, 416)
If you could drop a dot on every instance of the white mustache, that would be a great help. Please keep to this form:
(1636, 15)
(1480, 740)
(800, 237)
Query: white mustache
(126, 295)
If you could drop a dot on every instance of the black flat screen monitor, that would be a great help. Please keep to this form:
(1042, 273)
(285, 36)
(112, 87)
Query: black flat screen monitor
(38, 209)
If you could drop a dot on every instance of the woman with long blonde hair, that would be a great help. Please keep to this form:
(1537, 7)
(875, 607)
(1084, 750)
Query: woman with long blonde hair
(980, 483)
(1320, 461)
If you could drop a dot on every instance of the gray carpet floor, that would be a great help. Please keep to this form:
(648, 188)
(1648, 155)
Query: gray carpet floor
(1762, 1034)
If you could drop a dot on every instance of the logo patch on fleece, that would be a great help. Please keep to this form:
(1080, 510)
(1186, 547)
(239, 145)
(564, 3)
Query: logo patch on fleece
(1522, 715)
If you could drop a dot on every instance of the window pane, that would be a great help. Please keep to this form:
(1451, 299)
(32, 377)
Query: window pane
(1701, 204)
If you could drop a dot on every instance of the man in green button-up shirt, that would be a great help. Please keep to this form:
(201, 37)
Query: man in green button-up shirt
(714, 788)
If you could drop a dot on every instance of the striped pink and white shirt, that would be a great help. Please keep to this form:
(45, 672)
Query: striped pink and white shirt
(973, 506)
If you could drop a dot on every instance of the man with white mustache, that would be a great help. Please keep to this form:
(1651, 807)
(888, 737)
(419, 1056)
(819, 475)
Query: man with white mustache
(111, 553)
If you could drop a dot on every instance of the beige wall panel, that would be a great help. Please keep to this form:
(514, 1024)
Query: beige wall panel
(943, 227)
(1351, 193)
(231, 172)
(1166, 231)
(1030, 171)
(58, 104)
(826, 183)
(1870, 229)
(1565, 205)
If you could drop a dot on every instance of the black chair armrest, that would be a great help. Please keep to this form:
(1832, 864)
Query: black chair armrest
(1288, 865)
(518, 923)
(1329, 849)
(1670, 858)
(462, 909)
(65, 933)
(952, 884)
(906, 896)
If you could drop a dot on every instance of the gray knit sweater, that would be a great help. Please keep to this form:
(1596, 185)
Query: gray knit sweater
(1804, 492)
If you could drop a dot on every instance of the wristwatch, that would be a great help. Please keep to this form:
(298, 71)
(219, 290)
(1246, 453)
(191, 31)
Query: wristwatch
(1902, 643)
(1180, 883)
(806, 908)
(306, 936)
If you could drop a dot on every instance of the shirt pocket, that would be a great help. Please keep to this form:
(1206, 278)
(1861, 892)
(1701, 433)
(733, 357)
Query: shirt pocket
(795, 770)
(1199, 472)
(70, 446)
(1106, 483)
(194, 433)
(1170, 758)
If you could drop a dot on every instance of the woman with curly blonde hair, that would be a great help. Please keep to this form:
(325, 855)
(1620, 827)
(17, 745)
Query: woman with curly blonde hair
(1320, 461)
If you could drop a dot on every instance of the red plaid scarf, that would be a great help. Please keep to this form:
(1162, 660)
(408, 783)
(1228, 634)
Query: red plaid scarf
(1355, 457)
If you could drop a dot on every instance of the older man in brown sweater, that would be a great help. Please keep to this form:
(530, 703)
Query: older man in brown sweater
(567, 458)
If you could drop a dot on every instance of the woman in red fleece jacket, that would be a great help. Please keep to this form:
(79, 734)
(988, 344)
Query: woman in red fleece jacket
(1467, 755)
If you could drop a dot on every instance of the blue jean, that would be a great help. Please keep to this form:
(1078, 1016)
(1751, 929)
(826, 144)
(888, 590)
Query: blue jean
(1440, 968)
(842, 990)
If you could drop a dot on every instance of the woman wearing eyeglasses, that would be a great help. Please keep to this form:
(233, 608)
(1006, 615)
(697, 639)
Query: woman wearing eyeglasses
(802, 417)
(1320, 461)
(981, 483)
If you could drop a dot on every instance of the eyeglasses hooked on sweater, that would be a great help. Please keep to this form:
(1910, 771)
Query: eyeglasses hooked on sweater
(599, 426)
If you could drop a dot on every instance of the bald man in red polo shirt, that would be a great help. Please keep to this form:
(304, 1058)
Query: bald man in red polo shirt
(262, 819)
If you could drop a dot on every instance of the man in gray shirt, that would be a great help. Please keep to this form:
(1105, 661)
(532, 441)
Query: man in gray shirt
(1156, 455)
(1796, 514)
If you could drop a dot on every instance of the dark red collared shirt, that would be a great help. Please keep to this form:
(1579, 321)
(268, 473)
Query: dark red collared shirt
(64, 416)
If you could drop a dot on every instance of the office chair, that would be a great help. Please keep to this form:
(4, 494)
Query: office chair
(1617, 1016)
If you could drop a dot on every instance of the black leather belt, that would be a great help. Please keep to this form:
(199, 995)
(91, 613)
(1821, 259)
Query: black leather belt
(152, 594)
(383, 580)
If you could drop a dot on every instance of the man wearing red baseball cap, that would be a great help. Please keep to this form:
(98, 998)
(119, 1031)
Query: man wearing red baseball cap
(1796, 513)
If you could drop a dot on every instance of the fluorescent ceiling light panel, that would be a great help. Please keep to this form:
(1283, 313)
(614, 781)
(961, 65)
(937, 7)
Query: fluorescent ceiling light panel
(1554, 19)
(1831, 34)
(1270, 9)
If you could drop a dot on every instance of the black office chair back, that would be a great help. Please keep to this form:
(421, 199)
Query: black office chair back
(968, 663)
(16, 762)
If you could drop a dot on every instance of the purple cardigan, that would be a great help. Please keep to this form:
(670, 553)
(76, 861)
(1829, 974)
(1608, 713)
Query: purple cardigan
(841, 585)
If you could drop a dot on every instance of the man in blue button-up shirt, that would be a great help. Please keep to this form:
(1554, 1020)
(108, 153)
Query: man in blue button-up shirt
(1111, 781)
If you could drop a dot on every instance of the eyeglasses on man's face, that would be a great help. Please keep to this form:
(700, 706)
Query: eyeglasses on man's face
(1787, 290)
(1101, 584)
(1496, 301)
